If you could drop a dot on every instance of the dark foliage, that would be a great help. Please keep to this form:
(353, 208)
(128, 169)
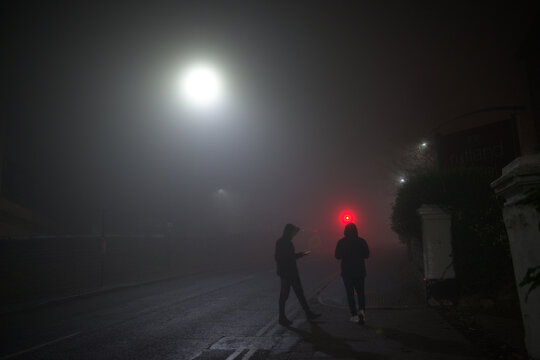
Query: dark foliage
(532, 277)
(481, 252)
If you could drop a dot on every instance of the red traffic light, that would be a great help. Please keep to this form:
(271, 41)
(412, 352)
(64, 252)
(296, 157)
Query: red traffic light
(347, 218)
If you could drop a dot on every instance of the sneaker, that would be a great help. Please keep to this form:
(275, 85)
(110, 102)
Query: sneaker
(311, 315)
(283, 321)
(355, 319)
(362, 317)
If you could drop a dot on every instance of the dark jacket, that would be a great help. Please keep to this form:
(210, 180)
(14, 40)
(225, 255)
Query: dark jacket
(352, 250)
(286, 257)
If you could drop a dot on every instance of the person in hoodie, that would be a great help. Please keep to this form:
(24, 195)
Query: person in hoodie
(287, 270)
(352, 250)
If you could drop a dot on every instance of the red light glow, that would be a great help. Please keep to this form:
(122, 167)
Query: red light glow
(347, 218)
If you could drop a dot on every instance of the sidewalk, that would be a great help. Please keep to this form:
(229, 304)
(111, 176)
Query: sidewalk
(389, 333)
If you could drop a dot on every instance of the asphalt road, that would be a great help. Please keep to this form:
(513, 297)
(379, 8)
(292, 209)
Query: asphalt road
(207, 315)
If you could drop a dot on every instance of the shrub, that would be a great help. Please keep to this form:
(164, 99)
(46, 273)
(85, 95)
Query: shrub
(481, 253)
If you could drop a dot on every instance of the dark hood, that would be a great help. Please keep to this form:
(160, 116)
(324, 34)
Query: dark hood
(350, 230)
(289, 231)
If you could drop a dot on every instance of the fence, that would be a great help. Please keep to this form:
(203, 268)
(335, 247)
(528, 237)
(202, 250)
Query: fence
(40, 268)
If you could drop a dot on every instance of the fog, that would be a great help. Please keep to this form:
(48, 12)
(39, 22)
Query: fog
(321, 101)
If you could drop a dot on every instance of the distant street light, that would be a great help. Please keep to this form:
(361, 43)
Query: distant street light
(423, 145)
(402, 180)
(201, 86)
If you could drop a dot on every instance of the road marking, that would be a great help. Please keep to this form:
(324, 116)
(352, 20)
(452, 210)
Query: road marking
(39, 346)
(180, 300)
(143, 313)
(322, 302)
(264, 328)
(236, 353)
(249, 354)
(203, 292)
(269, 330)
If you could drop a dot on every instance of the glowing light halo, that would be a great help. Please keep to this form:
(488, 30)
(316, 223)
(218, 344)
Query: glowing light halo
(201, 85)
(347, 217)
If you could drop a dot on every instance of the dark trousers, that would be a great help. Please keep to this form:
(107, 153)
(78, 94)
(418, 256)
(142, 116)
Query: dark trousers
(286, 284)
(353, 283)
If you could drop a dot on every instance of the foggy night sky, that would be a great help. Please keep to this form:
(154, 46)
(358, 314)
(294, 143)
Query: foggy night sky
(322, 99)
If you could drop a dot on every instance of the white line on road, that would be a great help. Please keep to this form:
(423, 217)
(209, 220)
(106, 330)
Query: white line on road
(236, 353)
(146, 312)
(265, 329)
(182, 299)
(206, 291)
(249, 354)
(322, 302)
(39, 346)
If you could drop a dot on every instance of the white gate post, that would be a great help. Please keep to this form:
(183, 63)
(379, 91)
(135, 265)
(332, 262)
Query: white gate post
(437, 243)
(522, 223)
(439, 275)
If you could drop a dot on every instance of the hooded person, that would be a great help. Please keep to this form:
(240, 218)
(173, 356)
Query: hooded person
(352, 250)
(287, 270)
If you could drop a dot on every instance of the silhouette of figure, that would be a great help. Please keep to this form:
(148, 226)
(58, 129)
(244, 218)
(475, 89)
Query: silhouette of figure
(288, 272)
(352, 251)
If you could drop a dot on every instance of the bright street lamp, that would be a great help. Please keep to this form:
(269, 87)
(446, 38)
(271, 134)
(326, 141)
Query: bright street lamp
(200, 86)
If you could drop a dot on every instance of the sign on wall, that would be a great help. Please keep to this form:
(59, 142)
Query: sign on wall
(490, 146)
